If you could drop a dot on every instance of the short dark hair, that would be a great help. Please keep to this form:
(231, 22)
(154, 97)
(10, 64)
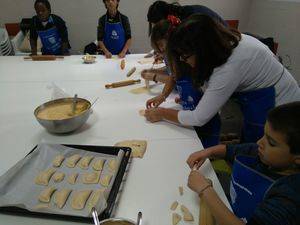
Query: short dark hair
(45, 2)
(285, 119)
(210, 41)
(105, 4)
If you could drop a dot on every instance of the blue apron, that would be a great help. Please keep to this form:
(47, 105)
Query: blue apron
(247, 186)
(51, 40)
(114, 37)
(255, 106)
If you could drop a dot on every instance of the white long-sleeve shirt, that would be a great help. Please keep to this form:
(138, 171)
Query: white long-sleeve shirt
(251, 66)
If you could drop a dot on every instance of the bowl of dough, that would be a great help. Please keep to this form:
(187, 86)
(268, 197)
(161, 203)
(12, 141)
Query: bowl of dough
(117, 221)
(62, 115)
(89, 59)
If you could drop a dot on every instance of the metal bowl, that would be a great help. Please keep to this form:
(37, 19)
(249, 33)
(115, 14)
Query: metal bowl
(117, 221)
(68, 125)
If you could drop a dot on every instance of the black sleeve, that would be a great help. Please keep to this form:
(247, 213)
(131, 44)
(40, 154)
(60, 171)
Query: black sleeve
(100, 28)
(126, 26)
(33, 30)
(62, 29)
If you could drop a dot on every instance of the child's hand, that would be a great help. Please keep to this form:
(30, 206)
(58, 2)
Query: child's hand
(197, 158)
(155, 102)
(178, 100)
(147, 74)
(153, 115)
(197, 182)
(122, 55)
(108, 55)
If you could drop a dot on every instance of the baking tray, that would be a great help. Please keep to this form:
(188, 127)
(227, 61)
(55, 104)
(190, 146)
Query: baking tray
(12, 210)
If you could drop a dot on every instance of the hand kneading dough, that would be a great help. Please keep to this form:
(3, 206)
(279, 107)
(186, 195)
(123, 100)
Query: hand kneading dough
(58, 177)
(187, 215)
(95, 197)
(85, 162)
(72, 161)
(72, 178)
(174, 205)
(138, 147)
(60, 197)
(105, 181)
(175, 218)
(98, 164)
(79, 199)
(112, 164)
(46, 194)
(91, 178)
(44, 177)
(57, 161)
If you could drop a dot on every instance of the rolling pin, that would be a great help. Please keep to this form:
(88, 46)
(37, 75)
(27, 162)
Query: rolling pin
(122, 83)
(43, 57)
(131, 72)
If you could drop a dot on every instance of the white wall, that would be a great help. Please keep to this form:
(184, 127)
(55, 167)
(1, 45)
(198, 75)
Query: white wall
(279, 19)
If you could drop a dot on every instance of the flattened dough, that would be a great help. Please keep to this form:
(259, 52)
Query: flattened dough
(46, 194)
(72, 178)
(174, 206)
(72, 161)
(43, 177)
(187, 215)
(105, 180)
(57, 161)
(138, 147)
(85, 162)
(58, 177)
(112, 164)
(98, 164)
(95, 197)
(79, 199)
(91, 178)
(60, 197)
(140, 90)
(175, 218)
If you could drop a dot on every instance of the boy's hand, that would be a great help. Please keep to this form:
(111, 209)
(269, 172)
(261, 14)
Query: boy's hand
(122, 55)
(108, 55)
(197, 158)
(197, 182)
(155, 102)
(153, 115)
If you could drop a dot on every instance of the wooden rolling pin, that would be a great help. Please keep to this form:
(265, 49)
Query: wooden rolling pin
(122, 83)
(43, 57)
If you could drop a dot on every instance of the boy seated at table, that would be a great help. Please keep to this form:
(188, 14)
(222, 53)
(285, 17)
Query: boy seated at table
(265, 182)
(50, 28)
(114, 33)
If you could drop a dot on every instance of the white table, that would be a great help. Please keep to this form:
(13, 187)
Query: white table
(152, 182)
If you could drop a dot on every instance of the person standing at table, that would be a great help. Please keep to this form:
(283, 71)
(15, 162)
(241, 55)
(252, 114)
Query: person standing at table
(226, 64)
(114, 33)
(50, 28)
(265, 180)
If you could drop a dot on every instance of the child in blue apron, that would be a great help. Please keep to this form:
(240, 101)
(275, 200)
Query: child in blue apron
(265, 181)
(51, 30)
(189, 96)
(114, 33)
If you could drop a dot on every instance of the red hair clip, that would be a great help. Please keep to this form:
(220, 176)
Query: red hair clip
(175, 21)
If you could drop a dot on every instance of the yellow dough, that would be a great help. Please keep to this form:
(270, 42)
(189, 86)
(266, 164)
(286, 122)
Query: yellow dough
(175, 218)
(91, 178)
(105, 180)
(95, 197)
(72, 178)
(140, 90)
(187, 215)
(57, 161)
(58, 177)
(85, 162)
(174, 205)
(60, 197)
(46, 194)
(112, 164)
(98, 164)
(79, 199)
(138, 147)
(44, 176)
(72, 161)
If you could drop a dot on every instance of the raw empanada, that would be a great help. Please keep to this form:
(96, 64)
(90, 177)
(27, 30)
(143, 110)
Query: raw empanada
(72, 178)
(105, 180)
(57, 161)
(72, 161)
(175, 218)
(60, 197)
(174, 206)
(79, 199)
(112, 164)
(58, 177)
(95, 197)
(46, 194)
(91, 178)
(98, 164)
(187, 215)
(138, 147)
(85, 162)
(44, 176)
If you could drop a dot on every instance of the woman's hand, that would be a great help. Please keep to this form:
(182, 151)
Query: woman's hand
(155, 102)
(153, 115)
(197, 182)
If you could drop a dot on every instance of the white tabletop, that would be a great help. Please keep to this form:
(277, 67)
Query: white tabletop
(152, 182)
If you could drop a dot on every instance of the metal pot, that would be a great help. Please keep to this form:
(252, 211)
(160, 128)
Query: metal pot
(64, 125)
(117, 221)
